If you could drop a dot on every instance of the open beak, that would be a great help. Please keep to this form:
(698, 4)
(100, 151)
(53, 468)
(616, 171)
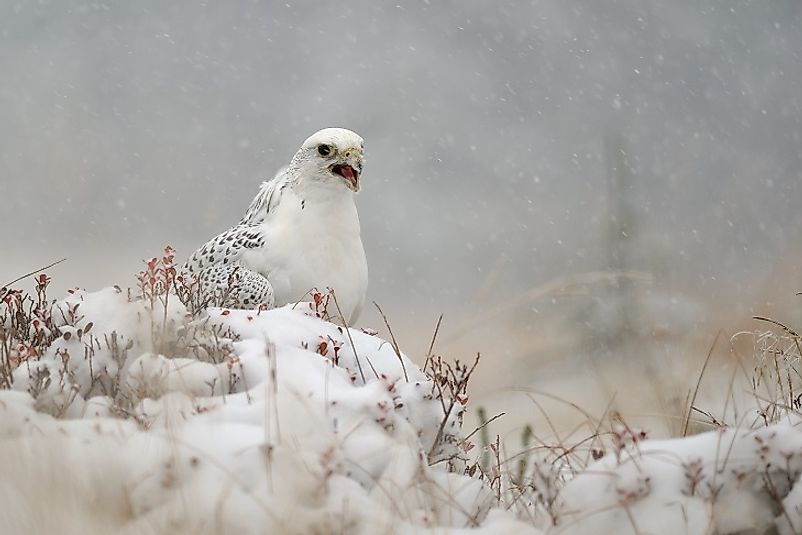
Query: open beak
(350, 174)
(349, 169)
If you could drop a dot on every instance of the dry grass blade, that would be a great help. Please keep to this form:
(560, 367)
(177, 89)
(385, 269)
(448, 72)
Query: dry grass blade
(778, 324)
(593, 422)
(698, 384)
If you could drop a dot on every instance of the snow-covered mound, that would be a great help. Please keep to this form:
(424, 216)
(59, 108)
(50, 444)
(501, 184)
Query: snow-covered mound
(139, 418)
(123, 414)
(727, 481)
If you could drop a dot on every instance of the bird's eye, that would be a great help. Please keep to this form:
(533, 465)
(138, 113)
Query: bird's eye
(324, 150)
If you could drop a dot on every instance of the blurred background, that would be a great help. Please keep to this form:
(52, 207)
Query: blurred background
(587, 191)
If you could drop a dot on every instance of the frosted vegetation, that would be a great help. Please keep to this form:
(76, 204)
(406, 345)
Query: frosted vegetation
(140, 411)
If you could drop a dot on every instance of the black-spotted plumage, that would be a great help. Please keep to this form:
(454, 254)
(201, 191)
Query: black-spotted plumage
(216, 267)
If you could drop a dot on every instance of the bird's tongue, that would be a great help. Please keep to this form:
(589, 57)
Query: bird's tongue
(348, 172)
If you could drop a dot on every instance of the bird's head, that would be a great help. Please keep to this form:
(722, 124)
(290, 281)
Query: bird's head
(332, 155)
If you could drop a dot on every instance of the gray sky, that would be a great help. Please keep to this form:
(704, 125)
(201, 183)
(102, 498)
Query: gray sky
(125, 126)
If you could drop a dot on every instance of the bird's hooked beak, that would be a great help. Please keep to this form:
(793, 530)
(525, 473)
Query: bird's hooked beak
(349, 167)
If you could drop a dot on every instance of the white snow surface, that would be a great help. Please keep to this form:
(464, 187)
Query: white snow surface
(261, 422)
(282, 435)
(726, 481)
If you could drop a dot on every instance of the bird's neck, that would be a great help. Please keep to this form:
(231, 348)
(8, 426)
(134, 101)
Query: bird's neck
(323, 192)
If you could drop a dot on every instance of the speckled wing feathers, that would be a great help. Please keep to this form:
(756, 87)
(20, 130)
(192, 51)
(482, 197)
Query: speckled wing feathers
(225, 248)
(233, 285)
(217, 266)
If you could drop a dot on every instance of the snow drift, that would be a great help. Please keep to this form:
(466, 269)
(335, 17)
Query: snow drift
(258, 421)
(128, 414)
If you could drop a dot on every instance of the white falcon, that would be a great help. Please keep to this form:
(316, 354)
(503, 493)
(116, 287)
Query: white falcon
(300, 232)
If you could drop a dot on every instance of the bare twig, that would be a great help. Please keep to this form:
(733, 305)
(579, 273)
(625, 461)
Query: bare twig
(392, 337)
(34, 272)
(496, 417)
(431, 345)
(351, 340)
